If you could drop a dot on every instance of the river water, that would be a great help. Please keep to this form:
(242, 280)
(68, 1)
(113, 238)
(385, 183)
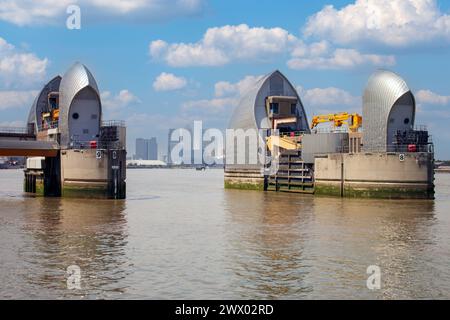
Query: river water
(180, 235)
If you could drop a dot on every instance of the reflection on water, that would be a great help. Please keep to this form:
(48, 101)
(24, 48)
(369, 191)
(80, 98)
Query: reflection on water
(268, 238)
(52, 234)
(313, 247)
(181, 235)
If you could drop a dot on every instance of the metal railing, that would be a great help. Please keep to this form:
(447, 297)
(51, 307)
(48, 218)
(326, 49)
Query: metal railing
(420, 127)
(427, 148)
(103, 145)
(48, 125)
(292, 134)
(113, 123)
(14, 130)
(271, 132)
(330, 130)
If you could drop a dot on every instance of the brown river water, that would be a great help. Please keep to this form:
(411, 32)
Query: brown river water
(180, 235)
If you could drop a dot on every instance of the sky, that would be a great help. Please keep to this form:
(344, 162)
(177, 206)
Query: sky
(162, 64)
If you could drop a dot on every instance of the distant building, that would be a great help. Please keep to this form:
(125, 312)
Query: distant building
(152, 149)
(196, 151)
(146, 149)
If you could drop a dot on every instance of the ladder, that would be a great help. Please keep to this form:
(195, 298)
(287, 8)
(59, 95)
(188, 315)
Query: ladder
(293, 175)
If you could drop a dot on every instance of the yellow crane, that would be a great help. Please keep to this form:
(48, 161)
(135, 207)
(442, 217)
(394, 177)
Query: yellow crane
(353, 120)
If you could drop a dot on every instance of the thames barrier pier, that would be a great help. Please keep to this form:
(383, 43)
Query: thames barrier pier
(255, 112)
(381, 154)
(71, 151)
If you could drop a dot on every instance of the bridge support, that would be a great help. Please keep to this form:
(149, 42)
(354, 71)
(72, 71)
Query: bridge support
(43, 176)
(87, 173)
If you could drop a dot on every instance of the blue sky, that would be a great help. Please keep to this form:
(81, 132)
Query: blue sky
(162, 64)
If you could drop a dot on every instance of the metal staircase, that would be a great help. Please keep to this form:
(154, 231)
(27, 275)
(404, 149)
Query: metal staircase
(293, 174)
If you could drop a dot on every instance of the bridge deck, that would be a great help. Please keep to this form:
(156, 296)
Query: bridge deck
(22, 148)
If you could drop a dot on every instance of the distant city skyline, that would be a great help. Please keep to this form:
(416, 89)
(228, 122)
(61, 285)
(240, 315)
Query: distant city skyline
(196, 146)
(162, 67)
(146, 149)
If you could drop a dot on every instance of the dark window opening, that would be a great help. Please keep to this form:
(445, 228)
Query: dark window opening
(274, 108)
(406, 121)
(293, 108)
(75, 116)
(53, 103)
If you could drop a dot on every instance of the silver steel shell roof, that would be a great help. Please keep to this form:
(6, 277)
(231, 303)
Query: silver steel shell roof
(77, 78)
(34, 116)
(383, 90)
(251, 113)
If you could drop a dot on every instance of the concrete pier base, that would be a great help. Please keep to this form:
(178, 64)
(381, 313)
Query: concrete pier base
(244, 179)
(85, 173)
(94, 173)
(375, 175)
(34, 182)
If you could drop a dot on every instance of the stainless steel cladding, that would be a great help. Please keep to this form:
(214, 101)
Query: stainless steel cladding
(323, 143)
(251, 112)
(388, 105)
(40, 103)
(76, 79)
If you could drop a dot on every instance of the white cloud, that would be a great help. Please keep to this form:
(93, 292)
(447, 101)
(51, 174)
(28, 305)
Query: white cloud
(157, 48)
(221, 45)
(326, 99)
(314, 49)
(20, 68)
(25, 12)
(121, 100)
(339, 59)
(225, 88)
(429, 97)
(159, 122)
(212, 106)
(17, 99)
(396, 23)
(169, 82)
(226, 98)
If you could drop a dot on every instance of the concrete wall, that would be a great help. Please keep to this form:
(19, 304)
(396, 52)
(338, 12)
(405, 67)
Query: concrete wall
(381, 175)
(83, 175)
(82, 172)
(244, 179)
(355, 142)
(323, 143)
(83, 164)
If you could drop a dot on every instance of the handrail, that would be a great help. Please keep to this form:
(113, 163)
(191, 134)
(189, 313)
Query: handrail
(14, 130)
(342, 129)
(113, 123)
(48, 125)
(394, 148)
(94, 144)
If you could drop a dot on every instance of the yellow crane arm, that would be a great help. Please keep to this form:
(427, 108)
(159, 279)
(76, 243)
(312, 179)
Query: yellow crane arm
(354, 121)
